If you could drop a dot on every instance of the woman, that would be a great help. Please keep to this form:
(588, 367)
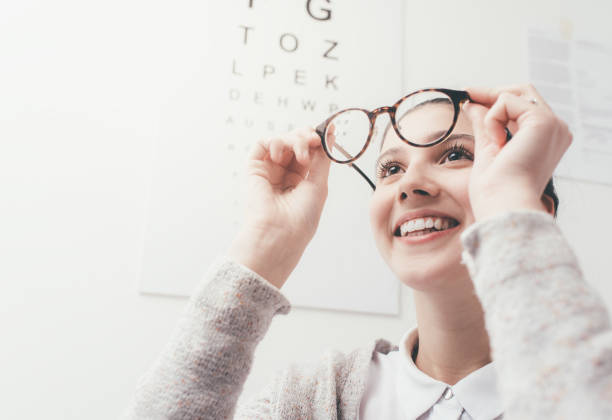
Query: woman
(527, 308)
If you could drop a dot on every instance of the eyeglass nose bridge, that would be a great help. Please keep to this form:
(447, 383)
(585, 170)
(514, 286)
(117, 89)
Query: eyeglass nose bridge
(383, 109)
(374, 114)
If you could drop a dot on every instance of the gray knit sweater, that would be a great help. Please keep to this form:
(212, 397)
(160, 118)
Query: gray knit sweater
(550, 338)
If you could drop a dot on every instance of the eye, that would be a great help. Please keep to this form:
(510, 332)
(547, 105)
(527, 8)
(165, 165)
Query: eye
(387, 169)
(456, 152)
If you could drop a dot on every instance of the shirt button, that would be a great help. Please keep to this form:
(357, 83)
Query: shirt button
(448, 394)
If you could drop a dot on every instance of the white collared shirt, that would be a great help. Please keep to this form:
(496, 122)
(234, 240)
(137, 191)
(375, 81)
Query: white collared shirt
(398, 390)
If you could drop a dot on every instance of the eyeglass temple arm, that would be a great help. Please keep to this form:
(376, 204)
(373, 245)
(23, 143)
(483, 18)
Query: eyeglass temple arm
(355, 167)
(320, 130)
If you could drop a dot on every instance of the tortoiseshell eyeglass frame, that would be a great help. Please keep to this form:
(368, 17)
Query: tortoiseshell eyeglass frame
(458, 97)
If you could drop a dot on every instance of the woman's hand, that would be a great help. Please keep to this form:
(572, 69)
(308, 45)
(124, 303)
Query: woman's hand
(287, 188)
(513, 175)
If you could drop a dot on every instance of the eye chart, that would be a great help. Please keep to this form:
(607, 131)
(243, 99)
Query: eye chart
(269, 66)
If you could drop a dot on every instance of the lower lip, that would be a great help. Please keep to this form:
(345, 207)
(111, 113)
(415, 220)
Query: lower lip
(428, 237)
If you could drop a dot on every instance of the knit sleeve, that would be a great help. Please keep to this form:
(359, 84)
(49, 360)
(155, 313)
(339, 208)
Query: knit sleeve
(201, 372)
(549, 330)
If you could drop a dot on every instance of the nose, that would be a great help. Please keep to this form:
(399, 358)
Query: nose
(417, 183)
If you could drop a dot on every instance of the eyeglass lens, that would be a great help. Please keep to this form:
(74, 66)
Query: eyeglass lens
(422, 118)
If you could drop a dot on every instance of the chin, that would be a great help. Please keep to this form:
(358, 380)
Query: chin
(427, 273)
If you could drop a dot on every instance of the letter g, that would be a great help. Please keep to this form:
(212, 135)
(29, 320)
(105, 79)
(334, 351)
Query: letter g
(326, 15)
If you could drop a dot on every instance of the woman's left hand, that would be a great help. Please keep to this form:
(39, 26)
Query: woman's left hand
(512, 176)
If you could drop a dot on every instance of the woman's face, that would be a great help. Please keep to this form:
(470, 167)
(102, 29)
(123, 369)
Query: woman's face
(414, 183)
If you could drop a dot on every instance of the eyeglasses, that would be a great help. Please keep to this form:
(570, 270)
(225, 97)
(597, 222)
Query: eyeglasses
(346, 135)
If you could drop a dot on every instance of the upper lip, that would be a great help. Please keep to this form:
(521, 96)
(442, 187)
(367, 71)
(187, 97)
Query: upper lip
(420, 214)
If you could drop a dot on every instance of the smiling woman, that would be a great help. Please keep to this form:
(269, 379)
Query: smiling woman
(434, 181)
(506, 325)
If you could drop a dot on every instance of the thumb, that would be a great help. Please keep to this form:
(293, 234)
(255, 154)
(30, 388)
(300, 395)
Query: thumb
(484, 147)
(319, 168)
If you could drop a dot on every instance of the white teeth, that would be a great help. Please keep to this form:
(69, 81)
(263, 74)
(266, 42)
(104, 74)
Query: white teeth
(438, 224)
(410, 226)
(424, 223)
(406, 227)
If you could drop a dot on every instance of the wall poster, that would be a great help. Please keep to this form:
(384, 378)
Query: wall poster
(571, 74)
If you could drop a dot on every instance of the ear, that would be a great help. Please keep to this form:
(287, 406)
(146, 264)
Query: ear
(549, 204)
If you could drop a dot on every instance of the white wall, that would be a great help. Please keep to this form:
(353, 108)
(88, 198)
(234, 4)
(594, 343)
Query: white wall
(75, 161)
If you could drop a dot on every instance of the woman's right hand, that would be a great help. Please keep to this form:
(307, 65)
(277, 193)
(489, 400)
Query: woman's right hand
(287, 188)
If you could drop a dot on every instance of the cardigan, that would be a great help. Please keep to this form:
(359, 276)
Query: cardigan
(548, 329)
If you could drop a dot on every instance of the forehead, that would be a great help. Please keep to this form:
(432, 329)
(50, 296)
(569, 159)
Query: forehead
(423, 122)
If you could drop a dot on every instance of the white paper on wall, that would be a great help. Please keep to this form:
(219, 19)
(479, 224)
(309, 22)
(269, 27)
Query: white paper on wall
(271, 66)
(573, 75)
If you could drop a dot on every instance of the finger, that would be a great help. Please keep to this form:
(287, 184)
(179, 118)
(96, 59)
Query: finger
(319, 168)
(298, 145)
(280, 152)
(485, 148)
(512, 126)
(274, 149)
(291, 151)
(259, 151)
(507, 108)
(295, 167)
(312, 139)
(331, 136)
(288, 156)
(487, 96)
(303, 140)
(330, 139)
(531, 93)
(310, 136)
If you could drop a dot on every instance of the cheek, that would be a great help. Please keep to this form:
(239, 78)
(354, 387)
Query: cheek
(459, 188)
(463, 195)
(375, 211)
(380, 213)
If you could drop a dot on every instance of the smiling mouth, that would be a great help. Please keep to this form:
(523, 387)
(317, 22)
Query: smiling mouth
(424, 226)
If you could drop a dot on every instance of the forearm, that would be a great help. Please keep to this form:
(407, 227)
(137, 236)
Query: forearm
(201, 372)
(549, 330)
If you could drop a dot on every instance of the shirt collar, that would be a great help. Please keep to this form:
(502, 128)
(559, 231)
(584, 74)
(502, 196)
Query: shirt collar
(478, 395)
(418, 392)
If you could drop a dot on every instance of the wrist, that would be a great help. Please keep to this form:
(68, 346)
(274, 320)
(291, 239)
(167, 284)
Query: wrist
(265, 253)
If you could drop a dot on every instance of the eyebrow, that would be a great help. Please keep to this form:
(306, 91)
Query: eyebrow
(452, 137)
